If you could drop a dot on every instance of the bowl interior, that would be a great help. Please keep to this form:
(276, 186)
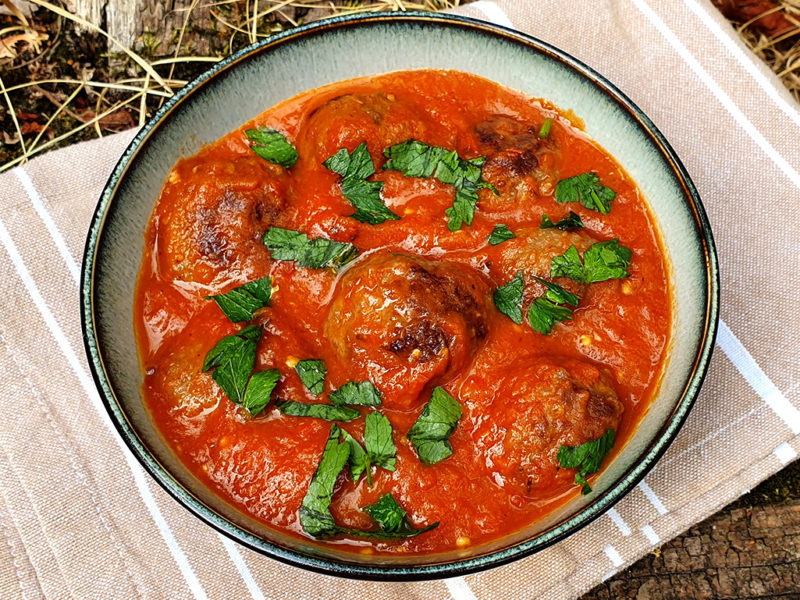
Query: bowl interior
(240, 89)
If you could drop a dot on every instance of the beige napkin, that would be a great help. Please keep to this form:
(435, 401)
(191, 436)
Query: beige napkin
(78, 516)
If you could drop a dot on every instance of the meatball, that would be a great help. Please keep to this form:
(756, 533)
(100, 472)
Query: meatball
(406, 323)
(518, 162)
(537, 406)
(533, 249)
(211, 215)
(346, 121)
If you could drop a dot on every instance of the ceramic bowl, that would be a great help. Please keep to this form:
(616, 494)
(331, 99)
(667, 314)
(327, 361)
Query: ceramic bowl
(244, 85)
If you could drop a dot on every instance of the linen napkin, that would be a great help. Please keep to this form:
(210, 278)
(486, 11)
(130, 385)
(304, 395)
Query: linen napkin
(79, 518)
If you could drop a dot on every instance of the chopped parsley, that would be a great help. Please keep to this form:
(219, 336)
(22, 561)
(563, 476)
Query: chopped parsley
(545, 312)
(380, 449)
(327, 412)
(500, 234)
(418, 159)
(241, 302)
(508, 298)
(435, 425)
(315, 514)
(272, 146)
(365, 196)
(573, 221)
(259, 390)
(312, 373)
(586, 189)
(318, 253)
(586, 458)
(356, 393)
(544, 131)
(232, 360)
(602, 261)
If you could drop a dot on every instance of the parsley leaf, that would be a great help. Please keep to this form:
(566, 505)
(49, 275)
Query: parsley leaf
(508, 298)
(359, 461)
(312, 373)
(315, 514)
(435, 425)
(544, 314)
(500, 234)
(586, 458)
(232, 360)
(573, 221)
(364, 195)
(418, 159)
(378, 440)
(359, 394)
(319, 253)
(556, 293)
(586, 189)
(544, 131)
(259, 390)
(272, 146)
(380, 449)
(241, 302)
(602, 261)
(327, 412)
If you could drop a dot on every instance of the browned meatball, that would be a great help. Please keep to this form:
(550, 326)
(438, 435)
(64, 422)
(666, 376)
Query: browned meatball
(404, 322)
(518, 162)
(534, 407)
(533, 249)
(211, 216)
(377, 118)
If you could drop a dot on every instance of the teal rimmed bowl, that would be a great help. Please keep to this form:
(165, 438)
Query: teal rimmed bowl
(244, 85)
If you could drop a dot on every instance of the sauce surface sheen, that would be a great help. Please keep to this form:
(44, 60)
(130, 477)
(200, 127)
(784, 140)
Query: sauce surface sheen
(413, 311)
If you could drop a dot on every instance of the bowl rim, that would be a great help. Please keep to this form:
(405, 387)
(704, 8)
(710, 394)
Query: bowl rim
(455, 567)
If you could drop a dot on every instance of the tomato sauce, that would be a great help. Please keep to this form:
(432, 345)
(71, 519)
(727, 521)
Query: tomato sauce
(413, 311)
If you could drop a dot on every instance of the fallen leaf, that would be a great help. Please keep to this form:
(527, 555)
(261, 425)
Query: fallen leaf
(31, 127)
(10, 140)
(30, 39)
(773, 24)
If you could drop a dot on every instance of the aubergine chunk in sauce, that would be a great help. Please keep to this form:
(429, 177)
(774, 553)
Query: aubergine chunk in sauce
(518, 163)
(537, 405)
(380, 119)
(405, 323)
(211, 216)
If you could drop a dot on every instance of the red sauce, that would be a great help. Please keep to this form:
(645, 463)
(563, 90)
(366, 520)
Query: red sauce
(413, 311)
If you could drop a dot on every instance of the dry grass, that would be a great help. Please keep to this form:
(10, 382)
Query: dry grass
(59, 83)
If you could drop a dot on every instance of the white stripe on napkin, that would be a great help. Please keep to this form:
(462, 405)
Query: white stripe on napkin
(493, 13)
(88, 386)
(718, 92)
(747, 60)
(459, 589)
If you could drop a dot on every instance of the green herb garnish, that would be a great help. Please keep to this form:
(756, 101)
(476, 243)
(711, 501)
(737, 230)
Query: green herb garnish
(312, 373)
(602, 261)
(545, 312)
(327, 412)
(318, 253)
(364, 195)
(417, 159)
(391, 517)
(435, 425)
(315, 514)
(586, 458)
(272, 146)
(508, 298)
(259, 390)
(241, 302)
(380, 449)
(500, 234)
(573, 221)
(357, 394)
(545, 129)
(586, 189)
(232, 360)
